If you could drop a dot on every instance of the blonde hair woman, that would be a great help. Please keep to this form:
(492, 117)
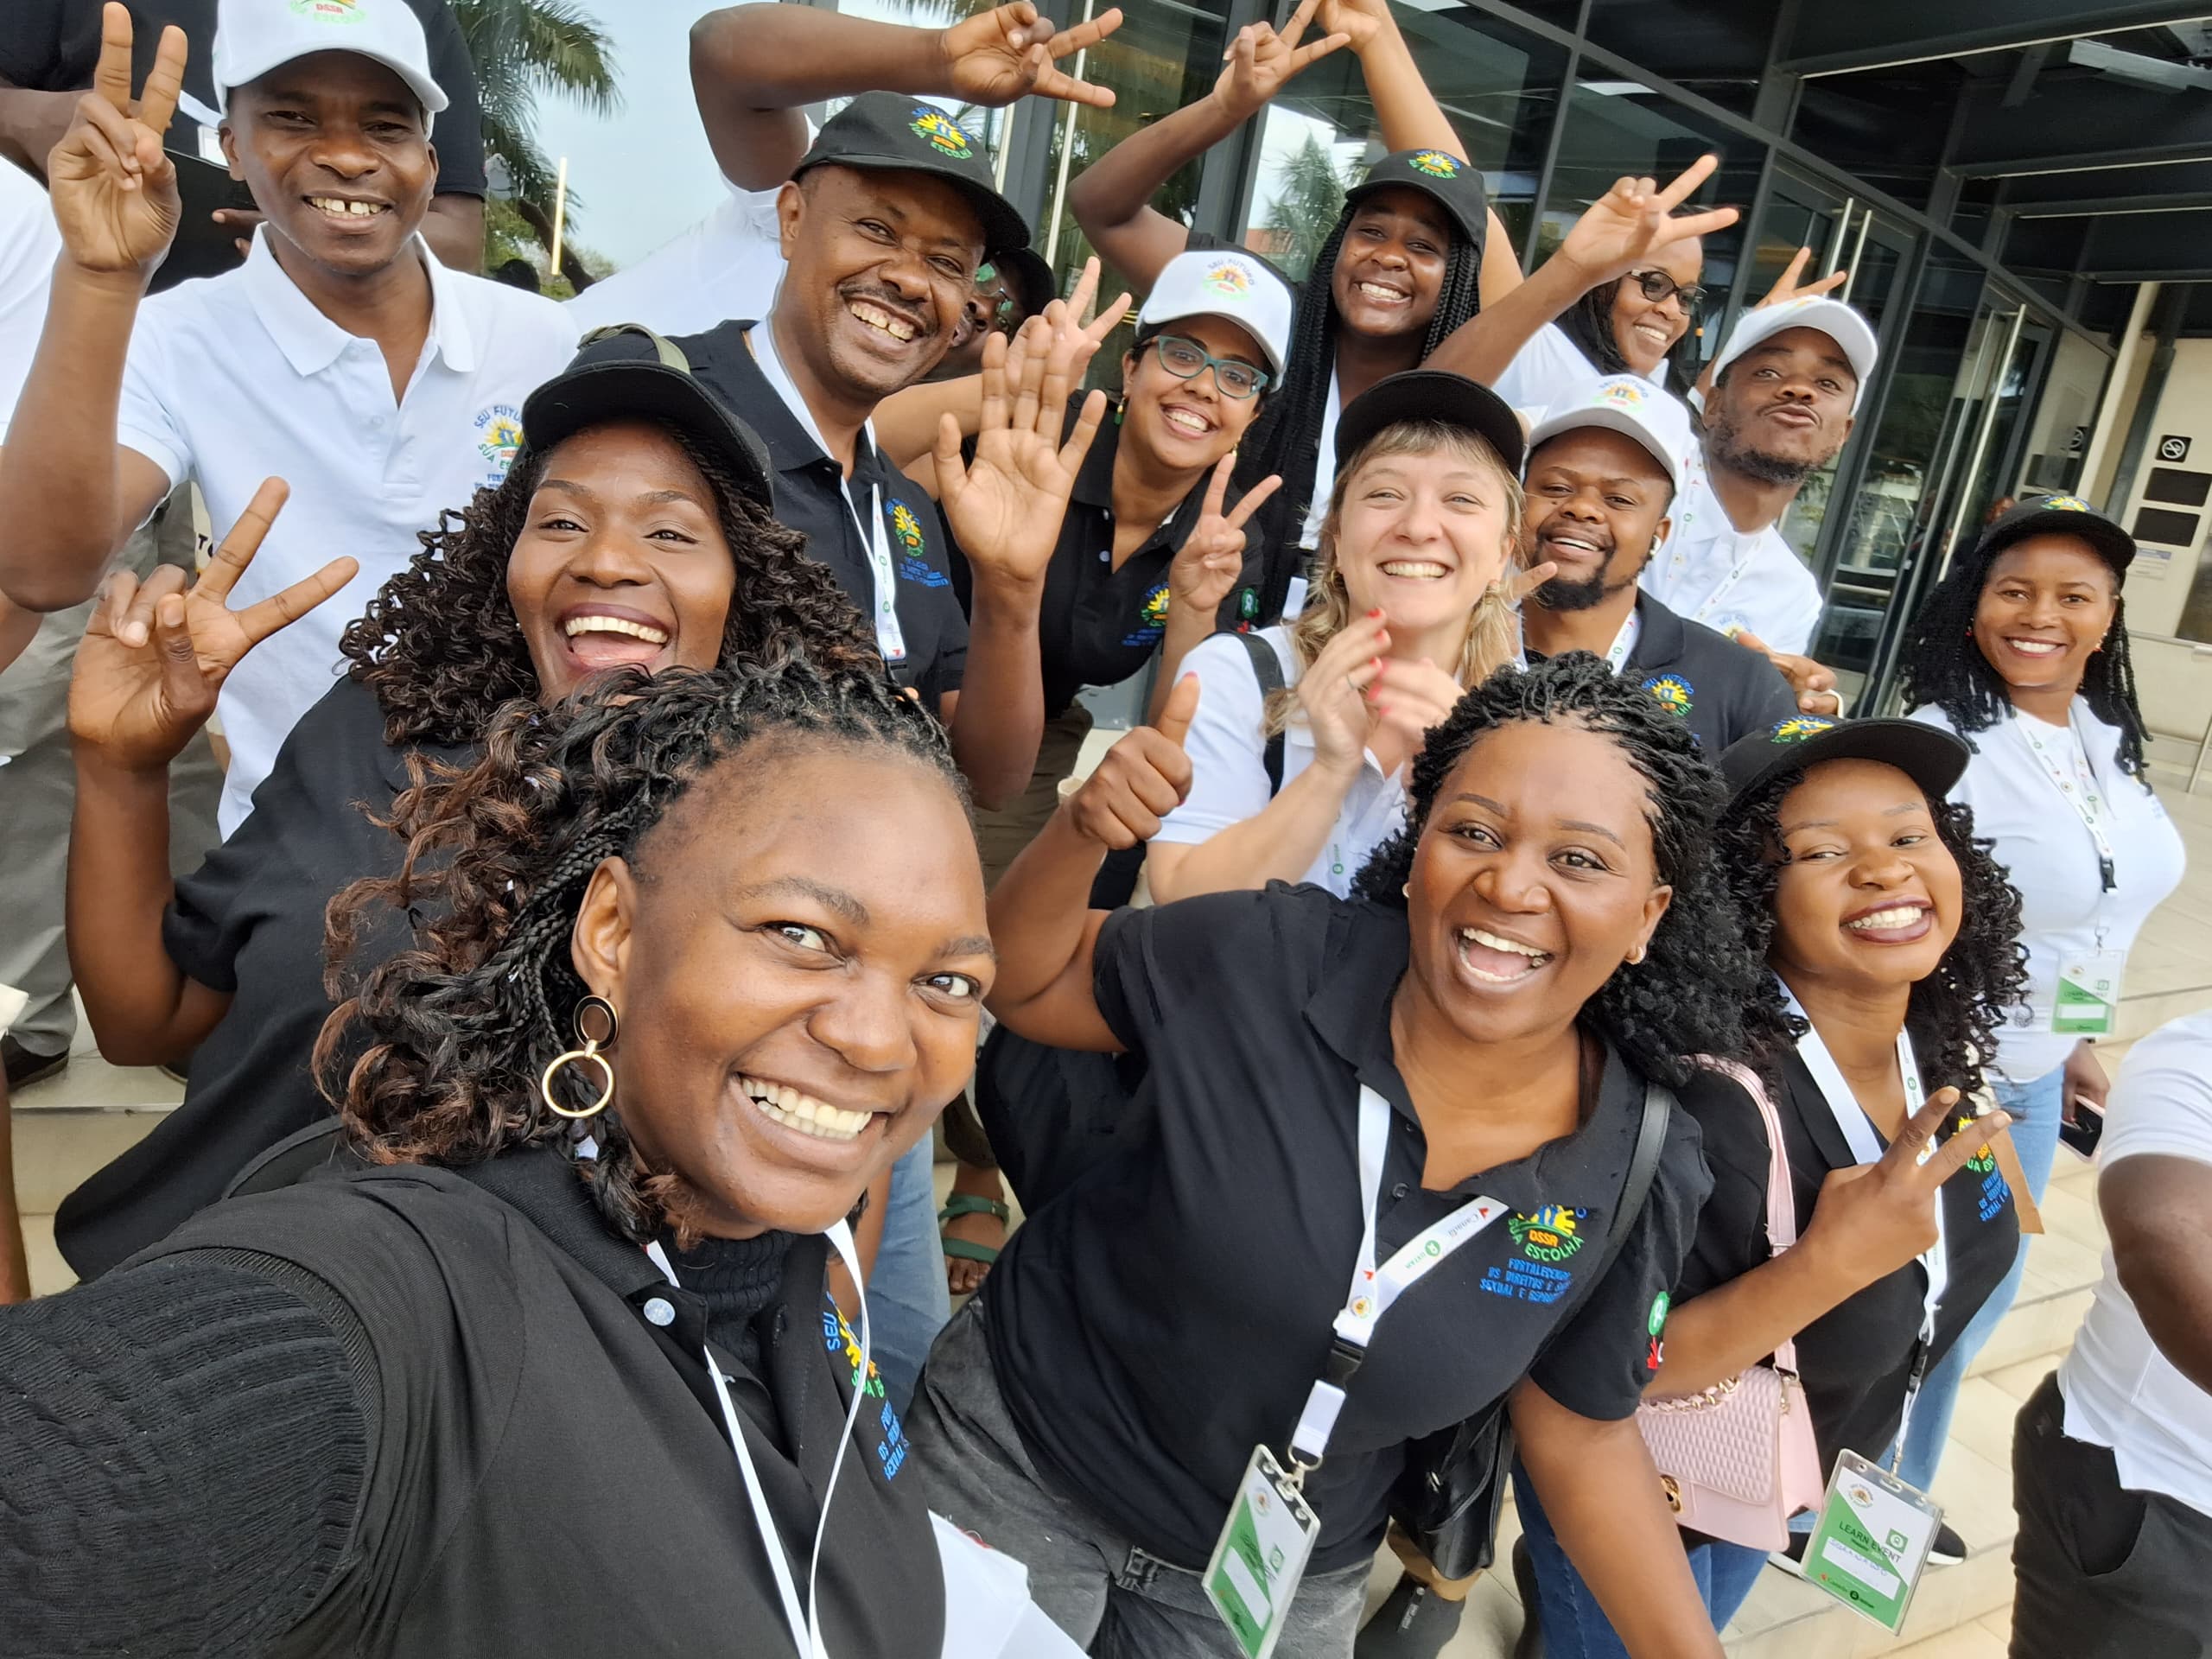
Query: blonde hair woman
(1303, 730)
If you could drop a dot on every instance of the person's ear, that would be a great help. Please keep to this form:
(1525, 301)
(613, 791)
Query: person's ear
(791, 208)
(1660, 532)
(599, 944)
(1655, 908)
(228, 135)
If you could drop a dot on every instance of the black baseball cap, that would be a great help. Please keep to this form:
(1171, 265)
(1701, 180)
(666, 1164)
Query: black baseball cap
(628, 372)
(1031, 277)
(2059, 515)
(887, 132)
(1457, 185)
(1931, 757)
(1430, 395)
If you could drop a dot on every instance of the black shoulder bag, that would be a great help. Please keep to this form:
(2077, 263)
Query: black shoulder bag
(1447, 1499)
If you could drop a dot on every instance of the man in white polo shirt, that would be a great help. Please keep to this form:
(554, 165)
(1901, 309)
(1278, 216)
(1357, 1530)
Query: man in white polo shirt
(1786, 387)
(341, 357)
(2111, 1459)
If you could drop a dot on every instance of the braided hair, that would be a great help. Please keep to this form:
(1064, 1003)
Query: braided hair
(439, 647)
(437, 1057)
(1958, 1008)
(1701, 988)
(1945, 667)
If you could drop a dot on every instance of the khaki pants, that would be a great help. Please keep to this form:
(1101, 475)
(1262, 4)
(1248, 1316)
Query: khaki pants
(1001, 834)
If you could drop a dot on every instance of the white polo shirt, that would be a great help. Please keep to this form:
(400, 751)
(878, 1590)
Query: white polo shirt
(2120, 1391)
(1548, 367)
(238, 378)
(1229, 771)
(29, 244)
(729, 264)
(1730, 580)
(2047, 851)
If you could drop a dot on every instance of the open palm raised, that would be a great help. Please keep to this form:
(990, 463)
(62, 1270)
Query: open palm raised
(156, 653)
(114, 188)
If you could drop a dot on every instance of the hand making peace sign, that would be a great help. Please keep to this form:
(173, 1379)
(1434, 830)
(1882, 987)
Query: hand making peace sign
(1211, 557)
(114, 190)
(1262, 60)
(1634, 222)
(1010, 52)
(1873, 1218)
(156, 653)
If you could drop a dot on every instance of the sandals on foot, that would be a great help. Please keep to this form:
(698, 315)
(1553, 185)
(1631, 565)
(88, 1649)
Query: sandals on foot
(967, 1204)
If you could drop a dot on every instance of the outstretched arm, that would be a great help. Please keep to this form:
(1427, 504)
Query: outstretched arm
(752, 67)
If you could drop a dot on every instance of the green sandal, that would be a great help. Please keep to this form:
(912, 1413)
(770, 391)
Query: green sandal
(967, 1204)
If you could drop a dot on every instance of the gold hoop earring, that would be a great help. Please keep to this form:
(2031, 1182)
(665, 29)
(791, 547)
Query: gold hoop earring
(588, 1054)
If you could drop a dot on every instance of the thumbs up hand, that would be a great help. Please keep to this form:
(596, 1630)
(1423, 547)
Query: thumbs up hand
(1142, 778)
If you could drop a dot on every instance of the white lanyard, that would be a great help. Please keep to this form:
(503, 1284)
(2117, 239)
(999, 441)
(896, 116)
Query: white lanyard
(1324, 470)
(889, 638)
(1625, 641)
(803, 1617)
(1374, 1289)
(1867, 1147)
(2075, 776)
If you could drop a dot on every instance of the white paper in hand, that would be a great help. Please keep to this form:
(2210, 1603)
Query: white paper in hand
(988, 1611)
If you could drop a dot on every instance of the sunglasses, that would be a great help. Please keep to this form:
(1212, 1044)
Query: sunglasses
(1187, 359)
(1656, 285)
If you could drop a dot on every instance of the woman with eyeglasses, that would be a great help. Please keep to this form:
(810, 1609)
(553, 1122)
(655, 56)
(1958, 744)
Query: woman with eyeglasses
(1627, 325)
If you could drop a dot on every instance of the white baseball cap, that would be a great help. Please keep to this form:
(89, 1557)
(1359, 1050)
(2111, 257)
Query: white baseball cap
(254, 36)
(1223, 282)
(1847, 327)
(1629, 404)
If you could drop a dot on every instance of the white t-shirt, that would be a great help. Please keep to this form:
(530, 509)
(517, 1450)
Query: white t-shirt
(238, 378)
(728, 265)
(2120, 1391)
(29, 244)
(1712, 573)
(1549, 366)
(1229, 773)
(2048, 852)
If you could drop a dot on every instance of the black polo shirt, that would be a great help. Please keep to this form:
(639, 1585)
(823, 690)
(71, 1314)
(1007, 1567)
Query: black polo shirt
(1097, 625)
(811, 496)
(1722, 691)
(1855, 1360)
(249, 922)
(549, 1472)
(1169, 1312)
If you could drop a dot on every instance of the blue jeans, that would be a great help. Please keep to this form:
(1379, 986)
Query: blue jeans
(1574, 1626)
(907, 1301)
(2035, 1108)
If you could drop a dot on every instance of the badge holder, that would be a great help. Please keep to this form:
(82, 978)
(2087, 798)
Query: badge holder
(1873, 1540)
(2087, 1003)
(1261, 1554)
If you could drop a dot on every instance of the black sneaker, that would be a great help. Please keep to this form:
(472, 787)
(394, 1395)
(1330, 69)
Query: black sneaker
(1948, 1549)
(1414, 1623)
(25, 1067)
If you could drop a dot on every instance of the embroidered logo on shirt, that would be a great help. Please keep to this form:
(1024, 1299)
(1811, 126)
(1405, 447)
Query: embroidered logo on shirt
(943, 135)
(1230, 279)
(906, 526)
(1996, 1191)
(1798, 728)
(498, 436)
(1435, 163)
(1152, 618)
(912, 567)
(837, 1337)
(1672, 692)
(1549, 1235)
(1655, 1325)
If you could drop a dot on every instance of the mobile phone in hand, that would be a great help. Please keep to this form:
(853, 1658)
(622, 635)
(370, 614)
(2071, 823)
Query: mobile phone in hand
(2081, 1133)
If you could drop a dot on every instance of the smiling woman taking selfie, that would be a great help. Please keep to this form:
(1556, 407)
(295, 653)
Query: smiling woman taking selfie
(508, 1391)
(2023, 651)
(632, 530)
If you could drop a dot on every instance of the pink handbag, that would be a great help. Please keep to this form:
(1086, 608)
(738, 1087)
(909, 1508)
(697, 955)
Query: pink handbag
(1737, 1459)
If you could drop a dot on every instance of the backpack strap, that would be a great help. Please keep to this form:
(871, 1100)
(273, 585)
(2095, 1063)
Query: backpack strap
(1266, 668)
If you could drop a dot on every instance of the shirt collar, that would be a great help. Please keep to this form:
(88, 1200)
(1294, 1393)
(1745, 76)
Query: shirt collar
(1660, 635)
(790, 445)
(1094, 480)
(311, 342)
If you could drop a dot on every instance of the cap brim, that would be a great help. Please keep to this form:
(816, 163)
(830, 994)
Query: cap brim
(2112, 541)
(1933, 758)
(432, 95)
(1611, 420)
(1182, 313)
(600, 392)
(1435, 396)
(1003, 227)
(1430, 187)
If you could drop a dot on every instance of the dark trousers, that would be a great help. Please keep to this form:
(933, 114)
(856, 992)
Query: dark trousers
(2098, 1569)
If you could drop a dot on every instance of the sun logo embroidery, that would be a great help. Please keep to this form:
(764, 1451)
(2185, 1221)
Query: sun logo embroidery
(2064, 503)
(1155, 614)
(1550, 1234)
(1983, 1161)
(836, 1337)
(1621, 394)
(943, 134)
(906, 526)
(1671, 691)
(1232, 280)
(1435, 163)
(1798, 728)
(328, 11)
(498, 436)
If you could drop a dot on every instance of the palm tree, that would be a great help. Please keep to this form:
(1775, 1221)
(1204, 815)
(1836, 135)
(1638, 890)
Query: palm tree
(522, 48)
(1308, 198)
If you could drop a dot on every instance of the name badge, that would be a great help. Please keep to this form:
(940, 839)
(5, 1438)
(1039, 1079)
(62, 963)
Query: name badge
(1872, 1541)
(1261, 1555)
(2088, 1004)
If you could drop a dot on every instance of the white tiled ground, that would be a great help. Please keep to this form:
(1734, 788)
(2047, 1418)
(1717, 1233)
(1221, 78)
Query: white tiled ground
(71, 1124)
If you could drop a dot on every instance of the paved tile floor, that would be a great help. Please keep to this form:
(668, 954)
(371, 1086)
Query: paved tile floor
(72, 1123)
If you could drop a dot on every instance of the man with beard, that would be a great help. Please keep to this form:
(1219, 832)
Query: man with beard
(1602, 477)
(1785, 388)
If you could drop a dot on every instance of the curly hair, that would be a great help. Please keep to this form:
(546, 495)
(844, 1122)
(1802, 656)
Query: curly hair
(1701, 988)
(1960, 1007)
(436, 1060)
(439, 647)
(1944, 666)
